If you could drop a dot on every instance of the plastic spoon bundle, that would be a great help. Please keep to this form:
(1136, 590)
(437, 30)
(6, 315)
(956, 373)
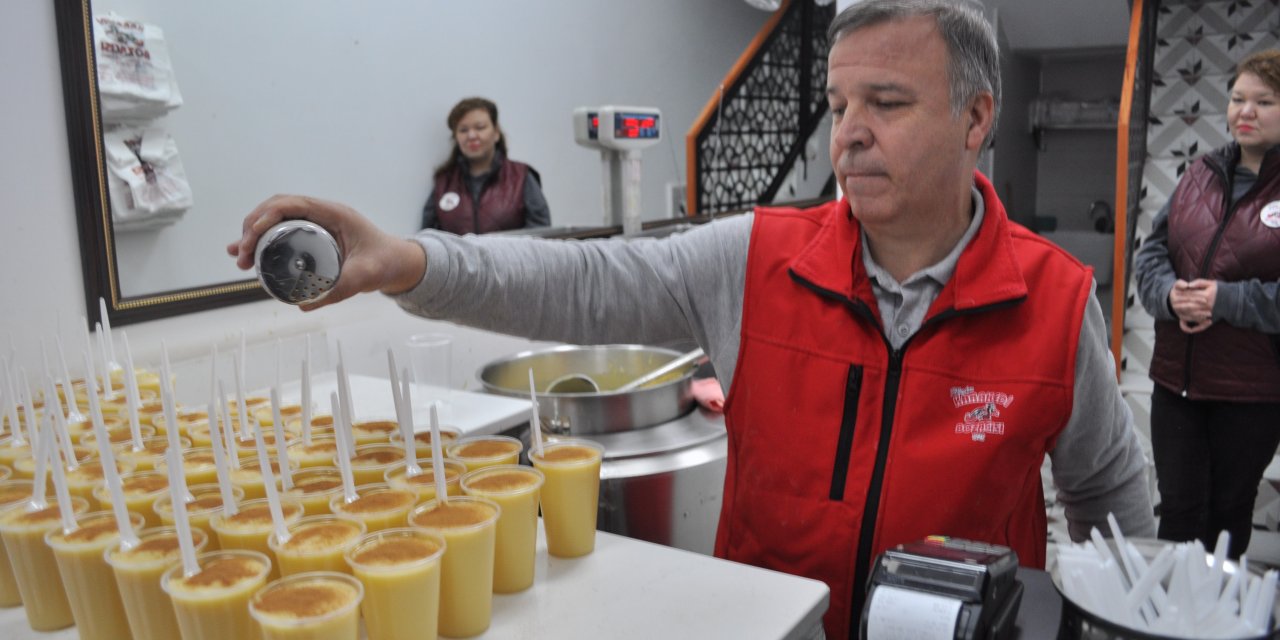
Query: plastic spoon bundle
(131, 396)
(277, 425)
(60, 431)
(219, 458)
(111, 476)
(349, 494)
(437, 457)
(1183, 591)
(306, 394)
(269, 484)
(66, 512)
(535, 423)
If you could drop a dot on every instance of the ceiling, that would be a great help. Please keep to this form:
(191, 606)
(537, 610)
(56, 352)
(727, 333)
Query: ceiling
(1056, 25)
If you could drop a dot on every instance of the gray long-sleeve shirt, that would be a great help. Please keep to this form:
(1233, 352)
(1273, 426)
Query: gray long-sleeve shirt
(691, 285)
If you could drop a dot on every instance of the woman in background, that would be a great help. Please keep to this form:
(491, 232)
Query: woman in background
(478, 189)
(1209, 274)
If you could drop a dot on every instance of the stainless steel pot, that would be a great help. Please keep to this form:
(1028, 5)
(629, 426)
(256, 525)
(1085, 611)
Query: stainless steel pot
(600, 412)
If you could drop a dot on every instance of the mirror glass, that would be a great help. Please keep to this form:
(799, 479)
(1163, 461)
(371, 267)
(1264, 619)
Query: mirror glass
(346, 101)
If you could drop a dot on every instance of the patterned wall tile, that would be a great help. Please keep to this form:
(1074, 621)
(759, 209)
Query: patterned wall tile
(1200, 18)
(1182, 137)
(1217, 53)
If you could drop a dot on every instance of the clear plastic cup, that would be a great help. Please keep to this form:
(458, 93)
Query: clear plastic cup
(424, 484)
(249, 477)
(137, 573)
(469, 527)
(198, 466)
(34, 568)
(400, 570)
(207, 503)
(317, 543)
(288, 413)
(570, 494)
(321, 425)
(319, 605)
(379, 506)
(91, 586)
(141, 490)
(515, 488)
(252, 525)
(422, 441)
(151, 454)
(12, 492)
(82, 480)
(213, 604)
(320, 453)
(374, 430)
(314, 487)
(116, 435)
(370, 462)
(478, 452)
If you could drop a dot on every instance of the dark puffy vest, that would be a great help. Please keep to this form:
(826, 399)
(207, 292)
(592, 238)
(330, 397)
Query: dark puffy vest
(840, 447)
(1210, 238)
(501, 205)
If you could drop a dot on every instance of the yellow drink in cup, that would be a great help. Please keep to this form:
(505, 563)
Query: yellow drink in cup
(82, 480)
(207, 503)
(250, 528)
(141, 490)
(319, 453)
(321, 425)
(370, 462)
(10, 453)
(422, 441)
(12, 492)
(570, 495)
(374, 431)
(478, 452)
(137, 572)
(117, 435)
(25, 468)
(289, 413)
(317, 543)
(81, 428)
(378, 507)
(515, 489)
(198, 466)
(400, 570)
(90, 584)
(248, 447)
(424, 484)
(320, 605)
(213, 604)
(314, 487)
(150, 455)
(34, 567)
(469, 527)
(249, 477)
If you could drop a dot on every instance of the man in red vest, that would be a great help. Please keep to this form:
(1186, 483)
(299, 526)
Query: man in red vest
(898, 362)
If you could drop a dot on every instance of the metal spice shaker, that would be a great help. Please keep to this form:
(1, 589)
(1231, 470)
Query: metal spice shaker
(297, 261)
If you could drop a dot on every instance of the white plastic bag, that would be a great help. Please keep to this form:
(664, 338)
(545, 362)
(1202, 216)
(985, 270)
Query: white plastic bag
(135, 74)
(147, 183)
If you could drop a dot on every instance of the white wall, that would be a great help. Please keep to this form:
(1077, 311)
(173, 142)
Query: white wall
(40, 271)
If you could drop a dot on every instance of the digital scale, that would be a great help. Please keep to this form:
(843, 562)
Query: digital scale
(619, 133)
(943, 588)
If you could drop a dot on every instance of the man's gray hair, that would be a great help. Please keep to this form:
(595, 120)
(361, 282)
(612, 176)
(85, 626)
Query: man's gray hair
(973, 65)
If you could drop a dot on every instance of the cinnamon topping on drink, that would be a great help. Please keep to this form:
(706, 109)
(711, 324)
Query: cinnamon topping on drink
(394, 551)
(224, 572)
(305, 600)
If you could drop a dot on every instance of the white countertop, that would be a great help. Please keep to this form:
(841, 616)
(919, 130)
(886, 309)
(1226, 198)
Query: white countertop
(472, 413)
(627, 589)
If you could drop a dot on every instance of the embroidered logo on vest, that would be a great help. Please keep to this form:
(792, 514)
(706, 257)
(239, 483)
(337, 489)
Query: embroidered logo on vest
(982, 408)
(449, 201)
(1270, 215)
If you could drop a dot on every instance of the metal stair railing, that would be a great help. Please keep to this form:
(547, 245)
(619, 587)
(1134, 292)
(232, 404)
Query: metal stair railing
(757, 122)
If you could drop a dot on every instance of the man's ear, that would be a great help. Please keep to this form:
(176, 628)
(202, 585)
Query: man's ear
(981, 116)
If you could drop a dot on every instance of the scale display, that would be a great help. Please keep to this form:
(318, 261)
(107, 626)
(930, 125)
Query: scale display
(634, 126)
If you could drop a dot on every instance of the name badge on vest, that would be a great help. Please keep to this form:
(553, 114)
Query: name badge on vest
(449, 201)
(1270, 215)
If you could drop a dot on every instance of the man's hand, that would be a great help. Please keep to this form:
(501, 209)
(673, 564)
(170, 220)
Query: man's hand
(1192, 302)
(372, 259)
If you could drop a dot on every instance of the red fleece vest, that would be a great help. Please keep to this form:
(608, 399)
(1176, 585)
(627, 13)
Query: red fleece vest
(501, 204)
(840, 449)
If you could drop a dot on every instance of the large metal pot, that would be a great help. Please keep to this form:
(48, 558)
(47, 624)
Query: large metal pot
(596, 412)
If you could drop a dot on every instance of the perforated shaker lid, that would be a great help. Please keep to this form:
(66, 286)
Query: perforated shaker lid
(297, 261)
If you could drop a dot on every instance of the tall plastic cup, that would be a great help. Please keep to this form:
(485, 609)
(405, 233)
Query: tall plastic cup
(400, 569)
(570, 495)
(314, 487)
(138, 571)
(213, 604)
(250, 528)
(469, 527)
(379, 506)
(91, 586)
(34, 567)
(478, 452)
(319, 605)
(206, 505)
(317, 543)
(514, 488)
(424, 484)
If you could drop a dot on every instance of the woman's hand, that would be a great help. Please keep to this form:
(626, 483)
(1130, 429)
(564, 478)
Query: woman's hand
(373, 260)
(1192, 302)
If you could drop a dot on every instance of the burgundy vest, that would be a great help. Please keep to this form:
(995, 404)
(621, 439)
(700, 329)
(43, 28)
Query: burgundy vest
(1209, 238)
(840, 448)
(501, 203)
